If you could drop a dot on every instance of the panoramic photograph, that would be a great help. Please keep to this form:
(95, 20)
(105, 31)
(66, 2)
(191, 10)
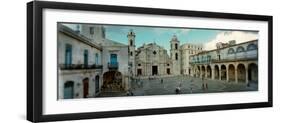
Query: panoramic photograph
(103, 60)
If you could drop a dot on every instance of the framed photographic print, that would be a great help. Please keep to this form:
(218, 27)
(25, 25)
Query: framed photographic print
(89, 61)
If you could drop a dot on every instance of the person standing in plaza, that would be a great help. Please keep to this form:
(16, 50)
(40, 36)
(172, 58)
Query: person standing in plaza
(177, 90)
(203, 85)
(206, 85)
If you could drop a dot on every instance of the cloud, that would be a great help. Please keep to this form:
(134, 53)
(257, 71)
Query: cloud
(176, 31)
(224, 37)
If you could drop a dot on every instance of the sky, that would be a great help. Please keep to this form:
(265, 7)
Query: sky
(162, 35)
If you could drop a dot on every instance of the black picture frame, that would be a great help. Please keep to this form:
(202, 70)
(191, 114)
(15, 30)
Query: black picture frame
(35, 69)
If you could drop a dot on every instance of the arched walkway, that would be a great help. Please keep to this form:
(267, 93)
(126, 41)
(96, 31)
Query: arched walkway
(223, 72)
(209, 72)
(198, 72)
(217, 72)
(203, 72)
(253, 72)
(231, 73)
(112, 81)
(241, 73)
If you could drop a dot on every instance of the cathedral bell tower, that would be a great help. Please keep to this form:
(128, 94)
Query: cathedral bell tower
(131, 51)
(175, 55)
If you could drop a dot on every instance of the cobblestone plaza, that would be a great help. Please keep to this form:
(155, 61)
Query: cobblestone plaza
(187, 85)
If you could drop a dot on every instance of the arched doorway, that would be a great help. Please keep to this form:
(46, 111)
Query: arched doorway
(241, 73)
(194, 71)
(217, 73)
(97, 83)
(209, 71)
(198, 72)
(68, 90)
(223, 72)
(231, 73)
(85, 87)
(203, 72)
(253, 72)
(112, 81)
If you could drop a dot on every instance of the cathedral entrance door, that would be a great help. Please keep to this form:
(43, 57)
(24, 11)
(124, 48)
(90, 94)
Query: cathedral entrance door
(154, 70)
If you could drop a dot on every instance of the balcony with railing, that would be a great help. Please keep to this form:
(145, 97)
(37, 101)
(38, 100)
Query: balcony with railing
(113, 65)
(228, 58)
(79, 66)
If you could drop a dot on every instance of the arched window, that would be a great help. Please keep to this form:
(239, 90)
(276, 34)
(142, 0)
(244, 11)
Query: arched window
(91, 30)
(251, 47)
(131, 53)
(231, 51)
(68, 55)
(97, 58)
(131, 42)
(154, 52)
(240, 49)
(176, 46)
(103, 32)
(176, 56)
(86, 57)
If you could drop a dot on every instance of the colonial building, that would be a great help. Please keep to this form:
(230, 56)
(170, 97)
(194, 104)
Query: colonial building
(230, 62)
(80, 66)
(88, 63)
(187, 50)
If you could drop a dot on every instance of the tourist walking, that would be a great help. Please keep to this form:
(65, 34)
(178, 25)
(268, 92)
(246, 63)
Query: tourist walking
(178, 90)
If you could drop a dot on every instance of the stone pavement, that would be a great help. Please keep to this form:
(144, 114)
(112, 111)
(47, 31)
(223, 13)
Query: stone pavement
(187, 85)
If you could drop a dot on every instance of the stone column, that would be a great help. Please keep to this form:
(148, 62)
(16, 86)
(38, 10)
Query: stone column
(227, 77)
(200, 72)
(213, 73)
(219, 73)
(246, 69)
(236, 76)
(206, 72)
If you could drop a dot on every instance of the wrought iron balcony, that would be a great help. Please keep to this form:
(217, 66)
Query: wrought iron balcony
(79, 66)
(113, 65)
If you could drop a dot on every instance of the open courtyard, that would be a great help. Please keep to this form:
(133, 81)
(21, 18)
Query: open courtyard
(186, 85)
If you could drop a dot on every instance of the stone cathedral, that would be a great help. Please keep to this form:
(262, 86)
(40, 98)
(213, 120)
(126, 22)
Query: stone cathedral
(152, 59)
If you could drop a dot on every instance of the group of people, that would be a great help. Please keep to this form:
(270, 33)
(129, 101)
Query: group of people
(178, 88)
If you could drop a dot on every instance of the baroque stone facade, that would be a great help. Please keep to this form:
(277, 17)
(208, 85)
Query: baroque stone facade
(152, 59)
